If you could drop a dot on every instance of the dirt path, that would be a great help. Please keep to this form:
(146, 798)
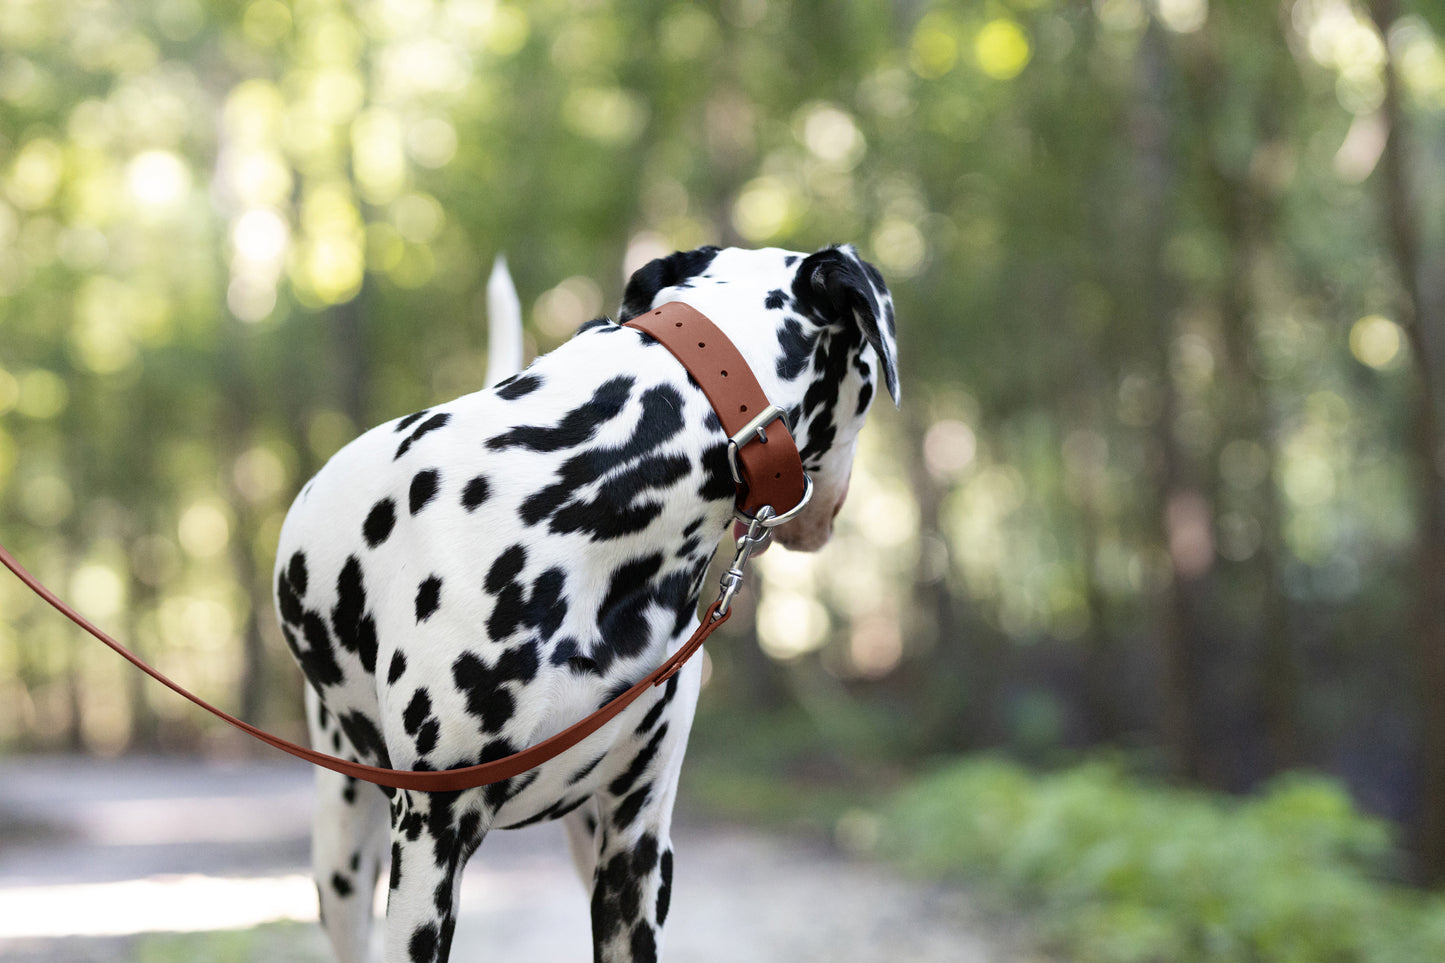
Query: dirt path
(98, 857)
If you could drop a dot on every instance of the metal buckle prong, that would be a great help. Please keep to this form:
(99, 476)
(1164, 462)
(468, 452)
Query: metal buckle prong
(755, 429)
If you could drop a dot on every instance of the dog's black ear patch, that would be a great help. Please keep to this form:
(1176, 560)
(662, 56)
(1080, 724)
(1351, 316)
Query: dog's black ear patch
(837, 287)
(664, 272)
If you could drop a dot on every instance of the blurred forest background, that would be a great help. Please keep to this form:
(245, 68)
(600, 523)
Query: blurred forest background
(1170, 274)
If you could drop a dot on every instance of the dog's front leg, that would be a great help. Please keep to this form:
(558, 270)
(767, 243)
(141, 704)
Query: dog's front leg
(429, 849)
(632, 884)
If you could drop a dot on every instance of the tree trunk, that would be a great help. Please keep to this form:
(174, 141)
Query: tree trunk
(1422, 318)
(1178, 508)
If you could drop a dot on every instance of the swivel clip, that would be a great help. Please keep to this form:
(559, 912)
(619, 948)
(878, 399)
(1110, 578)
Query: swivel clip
(750, 541)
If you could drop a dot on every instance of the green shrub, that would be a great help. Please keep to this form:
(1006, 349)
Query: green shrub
(1120, 870)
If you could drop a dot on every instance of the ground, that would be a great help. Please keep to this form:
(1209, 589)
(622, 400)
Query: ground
(157, 860)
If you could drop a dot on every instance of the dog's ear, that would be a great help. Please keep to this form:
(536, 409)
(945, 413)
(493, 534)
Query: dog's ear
(665, 272)
(838, 287)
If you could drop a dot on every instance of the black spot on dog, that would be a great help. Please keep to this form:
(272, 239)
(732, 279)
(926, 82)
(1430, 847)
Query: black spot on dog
(485, 686)
(318, 659)
(423, 489)
(621, 618)
(547, 608)
(623, 783)
(790, 260)
(614, 890)
(411, 419)
(431, 424)
(288, 599)
(576, 427)
(821, 398)
(644, 855)
(398, 666)
(605, 323)
(365, 737)
(395, 879)
(797, 349)
(518, 386)
(612, 512)
(296, 572)
(664, 892)
(543, 609)
(585, 771)
(423, 943)
(775, 299)
(416, 711)
(865, 396)
(717, 478)
(341, 885)
(426, 736)
(379, 522)
(644, 943)
(355, 630)
(563, 651)
(506, 568)
(655, 713)
(475, 492)
(628, 812)
(428, 596)
(555, 811)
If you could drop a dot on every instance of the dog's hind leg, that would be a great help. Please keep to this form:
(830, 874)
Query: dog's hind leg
(430, 846)
(348, 842)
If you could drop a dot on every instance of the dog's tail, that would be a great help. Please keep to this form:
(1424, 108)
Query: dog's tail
(504, 324)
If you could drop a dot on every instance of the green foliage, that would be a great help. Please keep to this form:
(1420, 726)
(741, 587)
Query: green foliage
(1120, 870)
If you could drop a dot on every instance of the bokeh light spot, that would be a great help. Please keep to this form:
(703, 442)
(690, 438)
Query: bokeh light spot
(1002, 49)
(934, 50)
(765, 209)
(1375, 341)
(157, 178)
(204, 529)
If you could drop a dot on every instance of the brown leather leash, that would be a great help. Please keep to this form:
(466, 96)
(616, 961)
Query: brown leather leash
(767, 473)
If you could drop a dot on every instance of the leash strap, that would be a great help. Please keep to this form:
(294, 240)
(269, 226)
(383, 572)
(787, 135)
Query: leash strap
(446, 780)
(768, 473)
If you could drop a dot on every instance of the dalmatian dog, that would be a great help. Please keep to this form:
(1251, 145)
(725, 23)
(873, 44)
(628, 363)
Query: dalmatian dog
(460, 583)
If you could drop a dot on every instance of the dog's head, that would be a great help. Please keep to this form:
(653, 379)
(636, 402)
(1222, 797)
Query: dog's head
(817, 330)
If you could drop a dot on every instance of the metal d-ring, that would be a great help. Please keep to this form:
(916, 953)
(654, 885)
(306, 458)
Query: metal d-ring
(773, 519)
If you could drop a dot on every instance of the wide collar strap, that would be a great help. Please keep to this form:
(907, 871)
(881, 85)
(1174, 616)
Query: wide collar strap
(767, 467)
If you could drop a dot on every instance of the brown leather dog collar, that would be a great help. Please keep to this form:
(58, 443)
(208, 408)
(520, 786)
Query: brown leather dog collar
(768, 468)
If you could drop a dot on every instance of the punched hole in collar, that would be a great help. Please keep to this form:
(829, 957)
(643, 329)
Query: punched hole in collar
(724, 373)
(701, 345)
(742, 407)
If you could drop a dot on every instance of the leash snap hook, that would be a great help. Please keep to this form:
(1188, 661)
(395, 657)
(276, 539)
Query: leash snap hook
(759, 531)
